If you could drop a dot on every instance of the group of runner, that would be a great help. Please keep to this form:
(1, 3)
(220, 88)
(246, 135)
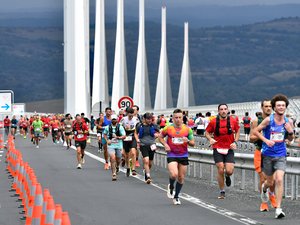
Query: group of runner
(123, 136)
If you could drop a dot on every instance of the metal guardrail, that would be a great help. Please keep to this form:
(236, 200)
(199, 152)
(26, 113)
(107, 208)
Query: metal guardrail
(201, 162)
(202, 166)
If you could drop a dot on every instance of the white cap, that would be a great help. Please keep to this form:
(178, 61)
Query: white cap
(114, 116)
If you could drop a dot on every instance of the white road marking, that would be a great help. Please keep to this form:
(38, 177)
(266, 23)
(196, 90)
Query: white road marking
(224, 212)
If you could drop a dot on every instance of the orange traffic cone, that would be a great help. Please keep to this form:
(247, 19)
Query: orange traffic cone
(45, 201)
(50, 211)
(65, 219)
(58, 214)
(38, 206)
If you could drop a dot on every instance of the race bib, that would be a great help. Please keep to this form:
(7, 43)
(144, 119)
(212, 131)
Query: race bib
(55, 129)
(46, 125)
(153, 147)
(223, 151)
(98, 135)
(277, 136)
(114, 140)
(128, 138)
(37, 129)
(80, 136)
(177, 140)
(69, 126)
(200, 127)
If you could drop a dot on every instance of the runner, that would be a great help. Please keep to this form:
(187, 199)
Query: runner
(113, 135)
(37, 126)
(226, 133)
(23, 124)
(106, 122)
(179, 136)
(136, 114)
(266, 111)
(145, 135)
(6, 122)
(14, 126)
(129, 122)
(246, 120)
(46, 120)
(276, 128)
(80, 131)
(68, 130)
(55, 126)
(98, 122)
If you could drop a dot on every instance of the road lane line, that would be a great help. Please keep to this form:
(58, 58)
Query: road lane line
(224, 212)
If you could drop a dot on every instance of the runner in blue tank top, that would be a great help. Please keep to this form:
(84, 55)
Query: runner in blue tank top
(276, 128)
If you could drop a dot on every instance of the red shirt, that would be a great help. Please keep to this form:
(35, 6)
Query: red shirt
(247, 119)
(224, 140)
(6, 122)
(80, 127)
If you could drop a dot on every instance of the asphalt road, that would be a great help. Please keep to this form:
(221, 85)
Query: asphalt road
(91, 198)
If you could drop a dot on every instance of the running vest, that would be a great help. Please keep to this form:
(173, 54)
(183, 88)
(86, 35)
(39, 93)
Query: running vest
(110, 131)
(229, 130)
(277, 134)
(141, 131)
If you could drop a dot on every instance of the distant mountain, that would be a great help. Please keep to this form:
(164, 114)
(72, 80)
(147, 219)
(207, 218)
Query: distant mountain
(196, 14)
(228, 64)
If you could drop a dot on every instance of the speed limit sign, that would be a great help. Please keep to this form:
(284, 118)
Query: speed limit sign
(125, 102)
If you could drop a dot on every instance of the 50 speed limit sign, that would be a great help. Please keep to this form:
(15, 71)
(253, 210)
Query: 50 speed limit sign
(125, 102)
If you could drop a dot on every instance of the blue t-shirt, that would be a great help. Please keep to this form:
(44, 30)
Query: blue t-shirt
(277, 134)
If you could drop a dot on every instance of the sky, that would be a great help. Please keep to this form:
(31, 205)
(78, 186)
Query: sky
(14, 5)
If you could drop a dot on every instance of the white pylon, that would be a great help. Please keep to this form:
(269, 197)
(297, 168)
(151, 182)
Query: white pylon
(186, 91)
(141, 93)
(100, 81)
(163, 98)
(77, 81)
(120, 82)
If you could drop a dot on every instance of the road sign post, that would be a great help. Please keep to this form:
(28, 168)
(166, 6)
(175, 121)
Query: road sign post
(6, 101)
(125, 102)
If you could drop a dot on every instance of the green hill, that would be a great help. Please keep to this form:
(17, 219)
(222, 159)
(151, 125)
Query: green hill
(228, 64)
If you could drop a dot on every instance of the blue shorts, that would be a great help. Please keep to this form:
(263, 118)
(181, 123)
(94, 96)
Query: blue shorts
(116, 151)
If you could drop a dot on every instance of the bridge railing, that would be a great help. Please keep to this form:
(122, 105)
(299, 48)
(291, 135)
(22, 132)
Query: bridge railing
(202, 166)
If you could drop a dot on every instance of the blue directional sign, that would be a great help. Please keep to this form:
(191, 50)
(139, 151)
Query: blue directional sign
(6, 101)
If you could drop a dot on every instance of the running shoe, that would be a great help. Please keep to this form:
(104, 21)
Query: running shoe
(148, 181)
(128, 172)
(279, 213)
(37, 146)
(79, 166)
(227, 180)
(133, 173)
(137, 164)
(273, 201)
(25, 136)
(106, 166)
(170, 192)
(222, 195)
(264, 195)
(114, 177)
(264, 207)
(176, 201)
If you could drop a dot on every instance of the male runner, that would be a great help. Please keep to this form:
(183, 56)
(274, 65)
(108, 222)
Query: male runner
(37, 126)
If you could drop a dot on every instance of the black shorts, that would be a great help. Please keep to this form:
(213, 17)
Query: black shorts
(25, 129)
(183, 161)
(147, 152)
(127, 145)
(81, 144)
(247, 130)
(218, 157)
(200, 131)
(46, 129)
(68, 133)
